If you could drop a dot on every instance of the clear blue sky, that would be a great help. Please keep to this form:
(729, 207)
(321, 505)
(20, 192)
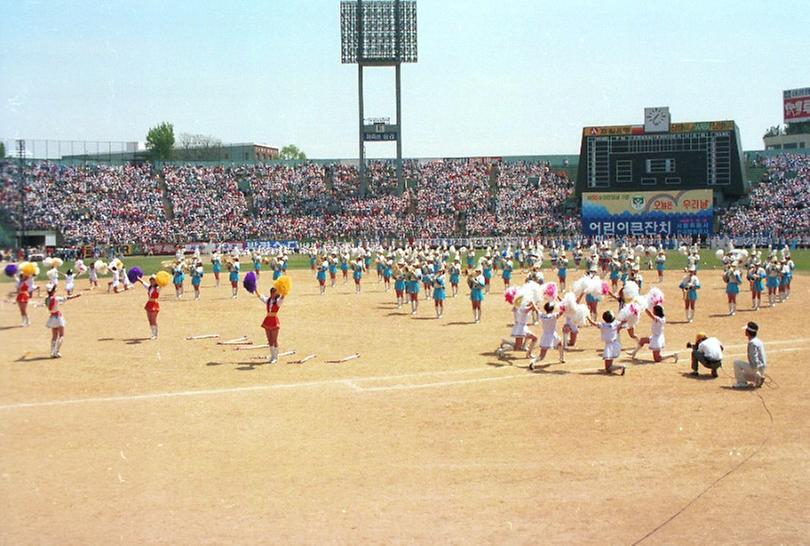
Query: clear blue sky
(493, 78)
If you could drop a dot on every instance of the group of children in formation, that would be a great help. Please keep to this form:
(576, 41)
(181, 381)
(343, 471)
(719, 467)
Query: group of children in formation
(422, 269)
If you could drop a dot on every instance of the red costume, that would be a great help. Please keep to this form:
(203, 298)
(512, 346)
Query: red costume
(152, 304)
(271, 319)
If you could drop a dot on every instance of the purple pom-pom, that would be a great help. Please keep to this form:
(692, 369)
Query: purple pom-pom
(134, 273)
(249, 282)
(10, 270)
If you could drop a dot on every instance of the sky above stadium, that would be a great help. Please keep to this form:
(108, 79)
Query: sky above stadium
(494, 78)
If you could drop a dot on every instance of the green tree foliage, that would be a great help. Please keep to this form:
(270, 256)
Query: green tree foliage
(160, 141)
(291, 151)
(2, 150)
(800, 128)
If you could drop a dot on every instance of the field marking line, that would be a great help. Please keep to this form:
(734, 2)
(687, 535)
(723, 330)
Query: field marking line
(351, 383)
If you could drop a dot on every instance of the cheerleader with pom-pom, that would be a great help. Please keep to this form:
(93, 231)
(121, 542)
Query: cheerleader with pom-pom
(56, 322)
(733, 279)
(332, 270)
(115, 283)
(592, 299)
(152, 306)
(477, 284)
(439, 293)
(656, 338)
(70, 279)
(615, 272)
(22, 298)
(271, 324)
(216, 267)
(92, 276)
(520, 333)
(549, 339)
(690, 284)
(233, 277)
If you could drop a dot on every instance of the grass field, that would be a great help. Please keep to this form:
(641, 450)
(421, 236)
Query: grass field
(675, 260)
(427, 438)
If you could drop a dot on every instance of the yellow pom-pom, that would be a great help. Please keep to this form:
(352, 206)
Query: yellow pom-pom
(57, 262)
(283, 285)
(28, 269)
(163, 279)
(100, 266)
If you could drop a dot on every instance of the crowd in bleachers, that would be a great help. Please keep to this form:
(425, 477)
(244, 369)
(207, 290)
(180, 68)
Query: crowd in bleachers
(180, 203)
(779, 206)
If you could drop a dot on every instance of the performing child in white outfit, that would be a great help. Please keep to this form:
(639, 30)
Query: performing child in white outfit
(609, 329)
(520, 331)
(550, 339)
(656, 339)
(56, 322)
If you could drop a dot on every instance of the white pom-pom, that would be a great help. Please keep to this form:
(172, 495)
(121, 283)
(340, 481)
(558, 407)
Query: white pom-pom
(630, 314)
(639, 249)
(651, 250)
(720, 254)
(683, 250)
(655, 297)
(630, 291)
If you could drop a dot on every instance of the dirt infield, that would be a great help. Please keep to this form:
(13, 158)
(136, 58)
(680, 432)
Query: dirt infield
(426, 438)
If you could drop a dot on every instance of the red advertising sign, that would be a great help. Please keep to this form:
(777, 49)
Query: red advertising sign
(797, 105)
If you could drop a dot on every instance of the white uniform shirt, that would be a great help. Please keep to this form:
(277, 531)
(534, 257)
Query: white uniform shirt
(711, 348)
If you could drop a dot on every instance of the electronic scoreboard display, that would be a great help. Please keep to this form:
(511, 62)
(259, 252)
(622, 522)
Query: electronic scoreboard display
(703, 155)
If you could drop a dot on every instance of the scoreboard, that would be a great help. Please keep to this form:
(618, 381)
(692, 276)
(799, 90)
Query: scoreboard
(686, 156)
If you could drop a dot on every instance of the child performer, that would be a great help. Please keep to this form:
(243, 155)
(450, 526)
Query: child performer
(455, 273)
(386, 273)
(92, 275)
(660, 260)
(570, 331)
(399, 284)
(562, 270)
(257, 264)
(233, 276)
(344, 268)
(152, 306)
(178, 279)
(116, 280)
(427, 278)
(216, 266)
(506, 274)
(773, 270)
(69, 282)
(733, 278)
(196, 279)
(609, 329)
(438, 293)
(23, 296)
(690, 284)
(412, 288)
(332, 270)
(357, 274)
(656, 339)
(321, 276)
(487, 273)
(520, 331)
(271, 323)
(755, 276)
(550, 339)
(56, 322)
(477, 283)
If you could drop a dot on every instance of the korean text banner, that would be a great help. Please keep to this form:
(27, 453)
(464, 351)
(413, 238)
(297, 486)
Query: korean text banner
(663, 213)
(797, 105)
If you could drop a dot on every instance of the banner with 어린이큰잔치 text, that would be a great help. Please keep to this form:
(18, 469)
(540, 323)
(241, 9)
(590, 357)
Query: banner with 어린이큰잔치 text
(651, 213)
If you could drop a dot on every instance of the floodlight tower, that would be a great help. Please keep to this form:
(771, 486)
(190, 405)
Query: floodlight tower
(378, 33)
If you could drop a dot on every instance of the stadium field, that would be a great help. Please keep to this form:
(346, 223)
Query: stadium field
(425, 438)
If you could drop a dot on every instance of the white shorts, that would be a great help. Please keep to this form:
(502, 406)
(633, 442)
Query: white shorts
(612, 350)
(657, 343)
(55, 321)
(520, 329)
(69, 286)
(549, 341)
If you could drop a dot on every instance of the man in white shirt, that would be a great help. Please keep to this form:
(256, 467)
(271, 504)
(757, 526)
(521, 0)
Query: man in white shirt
(754, 370)
(707, 351)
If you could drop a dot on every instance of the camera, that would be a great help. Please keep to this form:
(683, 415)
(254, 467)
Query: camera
(689, 345)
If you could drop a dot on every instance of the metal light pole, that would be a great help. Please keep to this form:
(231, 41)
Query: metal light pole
(21, 173)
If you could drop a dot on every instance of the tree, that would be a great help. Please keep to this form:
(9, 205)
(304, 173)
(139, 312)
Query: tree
(2, 150)
(199, 147)
(160, 141)
(798, 128)
(291, 151)
(776, 130)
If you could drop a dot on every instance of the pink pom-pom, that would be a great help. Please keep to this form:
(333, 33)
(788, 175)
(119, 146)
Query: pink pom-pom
(605, 288)
(551, 291)
(509, 294)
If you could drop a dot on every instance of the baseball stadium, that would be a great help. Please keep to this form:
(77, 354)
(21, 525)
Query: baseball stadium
(209, 342)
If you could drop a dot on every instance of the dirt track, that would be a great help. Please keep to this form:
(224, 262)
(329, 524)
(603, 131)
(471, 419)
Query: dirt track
(426, 438)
